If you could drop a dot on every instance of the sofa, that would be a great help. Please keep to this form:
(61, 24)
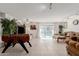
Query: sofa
(72, 44)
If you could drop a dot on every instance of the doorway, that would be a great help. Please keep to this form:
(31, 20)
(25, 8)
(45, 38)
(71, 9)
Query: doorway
(46, 31)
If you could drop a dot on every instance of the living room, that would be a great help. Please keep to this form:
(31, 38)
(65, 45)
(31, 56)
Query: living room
(45, 23)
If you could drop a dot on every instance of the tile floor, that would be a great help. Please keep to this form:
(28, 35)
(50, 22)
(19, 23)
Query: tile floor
(40, 47)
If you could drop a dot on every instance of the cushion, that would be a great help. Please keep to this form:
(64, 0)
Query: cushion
(72, 43)
(77, 45)
(67, 41)
(74, 38)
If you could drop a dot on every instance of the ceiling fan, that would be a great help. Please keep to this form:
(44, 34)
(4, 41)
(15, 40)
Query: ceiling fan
(50, 6)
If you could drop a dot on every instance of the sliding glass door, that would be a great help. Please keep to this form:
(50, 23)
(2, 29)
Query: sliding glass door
(46, 31)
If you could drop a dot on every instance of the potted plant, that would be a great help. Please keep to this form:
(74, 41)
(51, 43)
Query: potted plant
(61, 29)
(9, 26)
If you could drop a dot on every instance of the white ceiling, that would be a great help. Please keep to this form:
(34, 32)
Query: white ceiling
(39, 10)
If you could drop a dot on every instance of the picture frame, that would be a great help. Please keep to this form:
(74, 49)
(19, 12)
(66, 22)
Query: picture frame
(32, 27)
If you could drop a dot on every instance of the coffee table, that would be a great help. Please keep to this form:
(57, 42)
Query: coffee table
(14, 39)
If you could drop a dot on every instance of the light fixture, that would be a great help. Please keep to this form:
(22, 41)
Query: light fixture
(42, 7)
(50, 6)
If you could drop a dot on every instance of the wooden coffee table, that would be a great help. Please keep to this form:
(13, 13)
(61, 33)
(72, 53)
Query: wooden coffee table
(14, 39)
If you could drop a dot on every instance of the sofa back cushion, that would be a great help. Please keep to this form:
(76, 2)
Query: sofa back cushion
(74, 38)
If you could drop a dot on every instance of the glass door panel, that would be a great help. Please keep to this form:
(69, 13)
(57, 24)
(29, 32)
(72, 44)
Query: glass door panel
(46, 31)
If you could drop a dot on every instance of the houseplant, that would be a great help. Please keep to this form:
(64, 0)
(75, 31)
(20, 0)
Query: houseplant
(9, 26)
(61, 29)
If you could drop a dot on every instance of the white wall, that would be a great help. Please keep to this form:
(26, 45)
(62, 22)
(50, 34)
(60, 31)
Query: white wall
(71, 26)
(33, 33)
(54, 21)
(50, 19)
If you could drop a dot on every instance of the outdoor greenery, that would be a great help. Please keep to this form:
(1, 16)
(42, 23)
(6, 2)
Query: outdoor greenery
(9, 26)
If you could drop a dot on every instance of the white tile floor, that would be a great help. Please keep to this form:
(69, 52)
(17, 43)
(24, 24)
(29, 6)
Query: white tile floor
(40, 47)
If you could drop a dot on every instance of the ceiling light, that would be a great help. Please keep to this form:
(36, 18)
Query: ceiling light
(43, 7)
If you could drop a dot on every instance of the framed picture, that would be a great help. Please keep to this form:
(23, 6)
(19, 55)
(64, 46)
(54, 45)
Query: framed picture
(32, 27)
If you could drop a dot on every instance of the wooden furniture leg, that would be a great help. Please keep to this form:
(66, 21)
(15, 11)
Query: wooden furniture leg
(8, 44)
(22, 44)
(14, 44)
(29, 43)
